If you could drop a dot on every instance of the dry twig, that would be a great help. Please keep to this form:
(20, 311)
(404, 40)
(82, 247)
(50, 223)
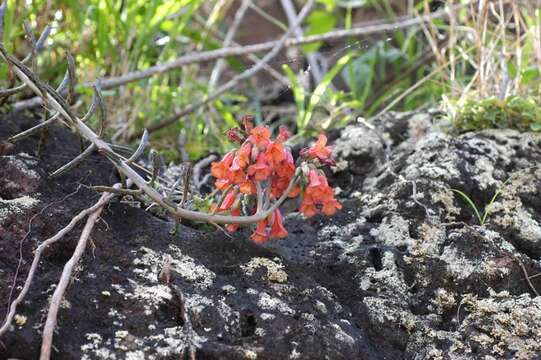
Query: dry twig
(37, 255)
(50, 323)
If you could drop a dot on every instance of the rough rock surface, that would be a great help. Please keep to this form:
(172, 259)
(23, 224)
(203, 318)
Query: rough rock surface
(404, 271)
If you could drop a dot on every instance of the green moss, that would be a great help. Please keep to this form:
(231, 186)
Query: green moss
(522, 113)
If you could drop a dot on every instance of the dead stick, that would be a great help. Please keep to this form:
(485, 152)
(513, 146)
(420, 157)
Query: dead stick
(50, 323)
(35, 262)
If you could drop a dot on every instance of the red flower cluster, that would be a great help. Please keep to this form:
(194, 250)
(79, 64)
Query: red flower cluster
(268, 164)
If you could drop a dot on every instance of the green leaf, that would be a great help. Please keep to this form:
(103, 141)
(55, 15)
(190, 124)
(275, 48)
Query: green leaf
(529, 74)
(319, 22)
(323, 86)
(472, 205)
(298, 94)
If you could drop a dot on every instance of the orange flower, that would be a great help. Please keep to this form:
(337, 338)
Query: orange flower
(278, 186)
(319, 150)
(283, 134)
(330, 207)
(220, 169)
(295, 191)
(260, 136)
(287, 167)
(277, 229)
(260, 235)
(275, 152)
(247, 187)
(317, 185)
(243, 155)
(318, 192)
(222, 184)
(261, 169)
(233, 227)
(308, 207)
(237, 177)
(235, 135)
(229, 200)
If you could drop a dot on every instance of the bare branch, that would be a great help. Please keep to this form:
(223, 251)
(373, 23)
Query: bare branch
(37, 255)
(365, 29)
(12, 91)
(101, 106)
(58, 104)
(72, 78)
(50, 323)
(197, 168)
(291, 14)
(139, 151)
(37, 46)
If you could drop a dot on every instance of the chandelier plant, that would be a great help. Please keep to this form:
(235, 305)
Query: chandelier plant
(262, 170)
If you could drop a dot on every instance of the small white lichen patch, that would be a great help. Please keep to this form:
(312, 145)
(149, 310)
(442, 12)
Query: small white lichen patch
(16, 206)
(394, 231)
(181, 265)
(94, 350)
(267, 302)
(173, 340)
(274, 270)
(20, 320)
(23, 162)
(457, 265)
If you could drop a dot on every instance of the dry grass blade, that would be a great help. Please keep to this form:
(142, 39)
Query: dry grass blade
(139, 151)
(73, 163)
(35, 129)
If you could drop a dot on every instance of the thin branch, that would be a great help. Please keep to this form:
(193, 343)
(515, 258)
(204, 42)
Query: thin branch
(50, 323)
(369, 28)
(197, 168)
(237, 79)
(526, 276)
(253, 58)
(12, 91)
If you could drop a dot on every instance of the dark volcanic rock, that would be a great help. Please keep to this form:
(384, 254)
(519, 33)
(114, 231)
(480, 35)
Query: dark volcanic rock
(403, 271)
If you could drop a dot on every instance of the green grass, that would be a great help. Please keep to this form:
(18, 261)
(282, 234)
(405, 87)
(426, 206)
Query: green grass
(522, 113)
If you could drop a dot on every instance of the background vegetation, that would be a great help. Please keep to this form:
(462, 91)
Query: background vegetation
(483, 58)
